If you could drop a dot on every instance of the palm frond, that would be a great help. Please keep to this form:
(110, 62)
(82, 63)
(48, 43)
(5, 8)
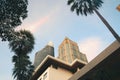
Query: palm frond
(77, 11)
(23, 42)
(84, 7)
(74, 6)
(70, 1)
(23, 68)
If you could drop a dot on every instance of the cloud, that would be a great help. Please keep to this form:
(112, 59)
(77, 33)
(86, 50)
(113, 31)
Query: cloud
(35, 25)
(39, 21)
(91, 47)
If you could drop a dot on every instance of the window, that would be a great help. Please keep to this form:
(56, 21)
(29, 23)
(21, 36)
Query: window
(39, 79)
(45, 76)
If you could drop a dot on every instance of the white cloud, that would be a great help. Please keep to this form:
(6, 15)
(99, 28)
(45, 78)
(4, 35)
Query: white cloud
(35, 25)
(91, 47)
(38, 22)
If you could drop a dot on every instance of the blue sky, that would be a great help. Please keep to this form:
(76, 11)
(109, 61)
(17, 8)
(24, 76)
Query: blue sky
(52, 20)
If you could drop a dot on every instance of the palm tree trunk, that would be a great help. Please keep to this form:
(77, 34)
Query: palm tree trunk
(108, 26)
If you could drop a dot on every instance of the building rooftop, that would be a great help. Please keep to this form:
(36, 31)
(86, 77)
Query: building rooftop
(50, 44)
(49, 60)
(105, 66)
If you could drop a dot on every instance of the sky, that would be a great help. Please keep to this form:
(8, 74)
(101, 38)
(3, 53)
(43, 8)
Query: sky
(52, 20)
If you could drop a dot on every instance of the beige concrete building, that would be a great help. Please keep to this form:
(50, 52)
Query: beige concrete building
(55, 69)
(69, 51)
(52, 73)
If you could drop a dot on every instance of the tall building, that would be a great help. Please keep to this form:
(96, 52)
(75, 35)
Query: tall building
(50, 68)
(40, 55)
(104, 67)
(69, 51)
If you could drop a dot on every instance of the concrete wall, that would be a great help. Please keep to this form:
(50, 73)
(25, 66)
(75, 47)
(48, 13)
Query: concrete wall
(56, 74)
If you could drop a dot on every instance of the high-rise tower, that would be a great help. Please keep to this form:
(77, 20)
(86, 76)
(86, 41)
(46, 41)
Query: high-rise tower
(69, 51)
(40, 55)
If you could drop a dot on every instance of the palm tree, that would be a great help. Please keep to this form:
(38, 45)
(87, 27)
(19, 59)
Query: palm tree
(23, 68)
(21, 45)
(85, 7)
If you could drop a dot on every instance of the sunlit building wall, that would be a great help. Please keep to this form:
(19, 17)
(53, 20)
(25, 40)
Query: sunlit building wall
(53, 73)
(69, 51)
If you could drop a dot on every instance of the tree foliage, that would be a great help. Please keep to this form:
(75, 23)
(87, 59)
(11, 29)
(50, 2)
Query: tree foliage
(84, 7)
(21, 45)
(23, 68)
(12, 12)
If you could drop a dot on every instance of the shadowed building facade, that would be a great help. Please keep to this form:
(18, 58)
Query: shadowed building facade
(106, 66)
(69, 51)
(40, 55)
